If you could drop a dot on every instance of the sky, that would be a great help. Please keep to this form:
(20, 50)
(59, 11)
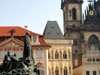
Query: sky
(33, 13)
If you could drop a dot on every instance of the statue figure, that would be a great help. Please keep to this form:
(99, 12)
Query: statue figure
(27, 47)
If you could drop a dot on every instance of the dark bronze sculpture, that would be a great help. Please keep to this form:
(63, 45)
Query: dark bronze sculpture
(22, 66)
(27, 47)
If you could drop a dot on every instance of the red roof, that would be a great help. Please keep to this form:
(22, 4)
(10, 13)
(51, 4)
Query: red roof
(19, 31)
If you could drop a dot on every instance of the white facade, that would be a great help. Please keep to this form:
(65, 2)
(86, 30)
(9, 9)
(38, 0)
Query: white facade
(91, 62)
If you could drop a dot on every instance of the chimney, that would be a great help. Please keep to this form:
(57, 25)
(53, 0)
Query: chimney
(26, 27)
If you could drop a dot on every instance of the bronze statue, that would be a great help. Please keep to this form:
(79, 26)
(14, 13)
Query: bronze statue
(22, 66)
(27, 47)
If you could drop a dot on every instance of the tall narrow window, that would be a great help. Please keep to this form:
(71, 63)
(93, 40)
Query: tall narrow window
(94, 73)
(65, 71)
(64, 55)
(39, 54)
(70, 12)
(56, 55)
(87, 72)
(74, 14)
(48, 55)
(56, 71)
(3, 53)
(11, 52)
(19, 54)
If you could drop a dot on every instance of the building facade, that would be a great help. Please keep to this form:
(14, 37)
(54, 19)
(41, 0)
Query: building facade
(91, 61)
(12, 40)
(82, 29)
(60, 53)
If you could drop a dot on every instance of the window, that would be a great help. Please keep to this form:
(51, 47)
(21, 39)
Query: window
(76, 51)
(11, 53)
(56, 55)
(87, 72)
(3, 53)
(39, 54)
(65, 71)
(48, 55)
(97, 60)
(70, 12)
(34, 39)
(56, 71)
(74, 14)
(93, 60)
(93, 40)
(94, 72)
(19, 54)
(64, 55)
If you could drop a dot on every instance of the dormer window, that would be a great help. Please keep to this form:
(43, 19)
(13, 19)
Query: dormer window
(34, 39)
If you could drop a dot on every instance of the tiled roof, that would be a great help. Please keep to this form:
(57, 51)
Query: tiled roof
(19, 31)
(52, 31)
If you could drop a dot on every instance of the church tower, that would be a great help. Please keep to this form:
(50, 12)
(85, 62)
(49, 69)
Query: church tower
(72, 15)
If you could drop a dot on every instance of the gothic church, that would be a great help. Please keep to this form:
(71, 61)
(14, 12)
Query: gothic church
(83, 29)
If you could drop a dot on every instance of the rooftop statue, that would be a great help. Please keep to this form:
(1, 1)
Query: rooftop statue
(22, 66)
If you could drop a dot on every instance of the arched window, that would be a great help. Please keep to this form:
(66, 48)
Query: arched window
(56, 71)
(93, 40)
(65, 71)
(64, 55)
(56, 55)
(74, 14)
(48, 55)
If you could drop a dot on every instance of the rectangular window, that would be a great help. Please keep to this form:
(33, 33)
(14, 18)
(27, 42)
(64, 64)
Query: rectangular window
(39, 54)
(94, 72)
(3, 53)
(11, 52)
(87, 73)
(19, 54)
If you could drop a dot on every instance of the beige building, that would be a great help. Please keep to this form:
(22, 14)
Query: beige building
(60, 53)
